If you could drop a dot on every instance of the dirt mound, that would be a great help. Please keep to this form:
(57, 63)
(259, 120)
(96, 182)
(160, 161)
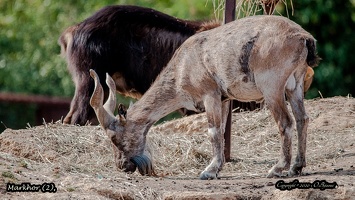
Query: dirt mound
(79, 159)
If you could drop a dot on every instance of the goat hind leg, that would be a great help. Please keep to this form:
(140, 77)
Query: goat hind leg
(296, 100)
(215, 111)
(74, 113)
(282, 117)
(68, 117)
(80, 110)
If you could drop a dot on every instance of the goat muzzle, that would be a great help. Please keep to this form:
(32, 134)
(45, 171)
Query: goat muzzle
(129, 167)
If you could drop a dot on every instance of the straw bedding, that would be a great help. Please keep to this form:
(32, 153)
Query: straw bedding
(79, 159)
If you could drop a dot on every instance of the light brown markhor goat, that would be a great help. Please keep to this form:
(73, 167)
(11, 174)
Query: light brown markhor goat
(252, 59)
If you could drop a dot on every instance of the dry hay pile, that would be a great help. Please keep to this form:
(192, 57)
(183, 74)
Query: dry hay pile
(80, 159)
(245, 8)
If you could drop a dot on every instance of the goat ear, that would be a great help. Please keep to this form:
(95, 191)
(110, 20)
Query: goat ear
(122, 110)
(122, 114)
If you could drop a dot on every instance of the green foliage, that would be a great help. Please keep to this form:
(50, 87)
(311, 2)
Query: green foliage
(29, 30)
(29, 51)
(30, 60)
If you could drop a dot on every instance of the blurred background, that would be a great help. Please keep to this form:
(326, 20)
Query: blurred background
(35, 83)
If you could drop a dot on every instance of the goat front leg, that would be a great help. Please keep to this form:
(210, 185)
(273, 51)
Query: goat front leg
(282, 117)
(216, 114)
(296, 100)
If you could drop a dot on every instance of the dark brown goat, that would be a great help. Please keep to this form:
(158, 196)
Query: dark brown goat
(132, 44)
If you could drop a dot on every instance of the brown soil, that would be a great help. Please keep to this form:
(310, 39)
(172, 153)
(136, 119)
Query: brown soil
(79, 160)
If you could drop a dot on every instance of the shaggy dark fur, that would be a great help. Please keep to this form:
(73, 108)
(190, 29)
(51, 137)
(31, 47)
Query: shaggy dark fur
(136, 42)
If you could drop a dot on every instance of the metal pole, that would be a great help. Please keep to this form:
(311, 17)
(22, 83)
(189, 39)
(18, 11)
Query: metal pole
(229, 15)
(229, 11)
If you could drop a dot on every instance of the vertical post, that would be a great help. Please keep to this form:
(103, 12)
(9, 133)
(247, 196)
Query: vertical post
(269, 6)
(229, 11)
(229, 15)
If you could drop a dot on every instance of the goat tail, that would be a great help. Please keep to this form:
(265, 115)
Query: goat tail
(312, 57)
